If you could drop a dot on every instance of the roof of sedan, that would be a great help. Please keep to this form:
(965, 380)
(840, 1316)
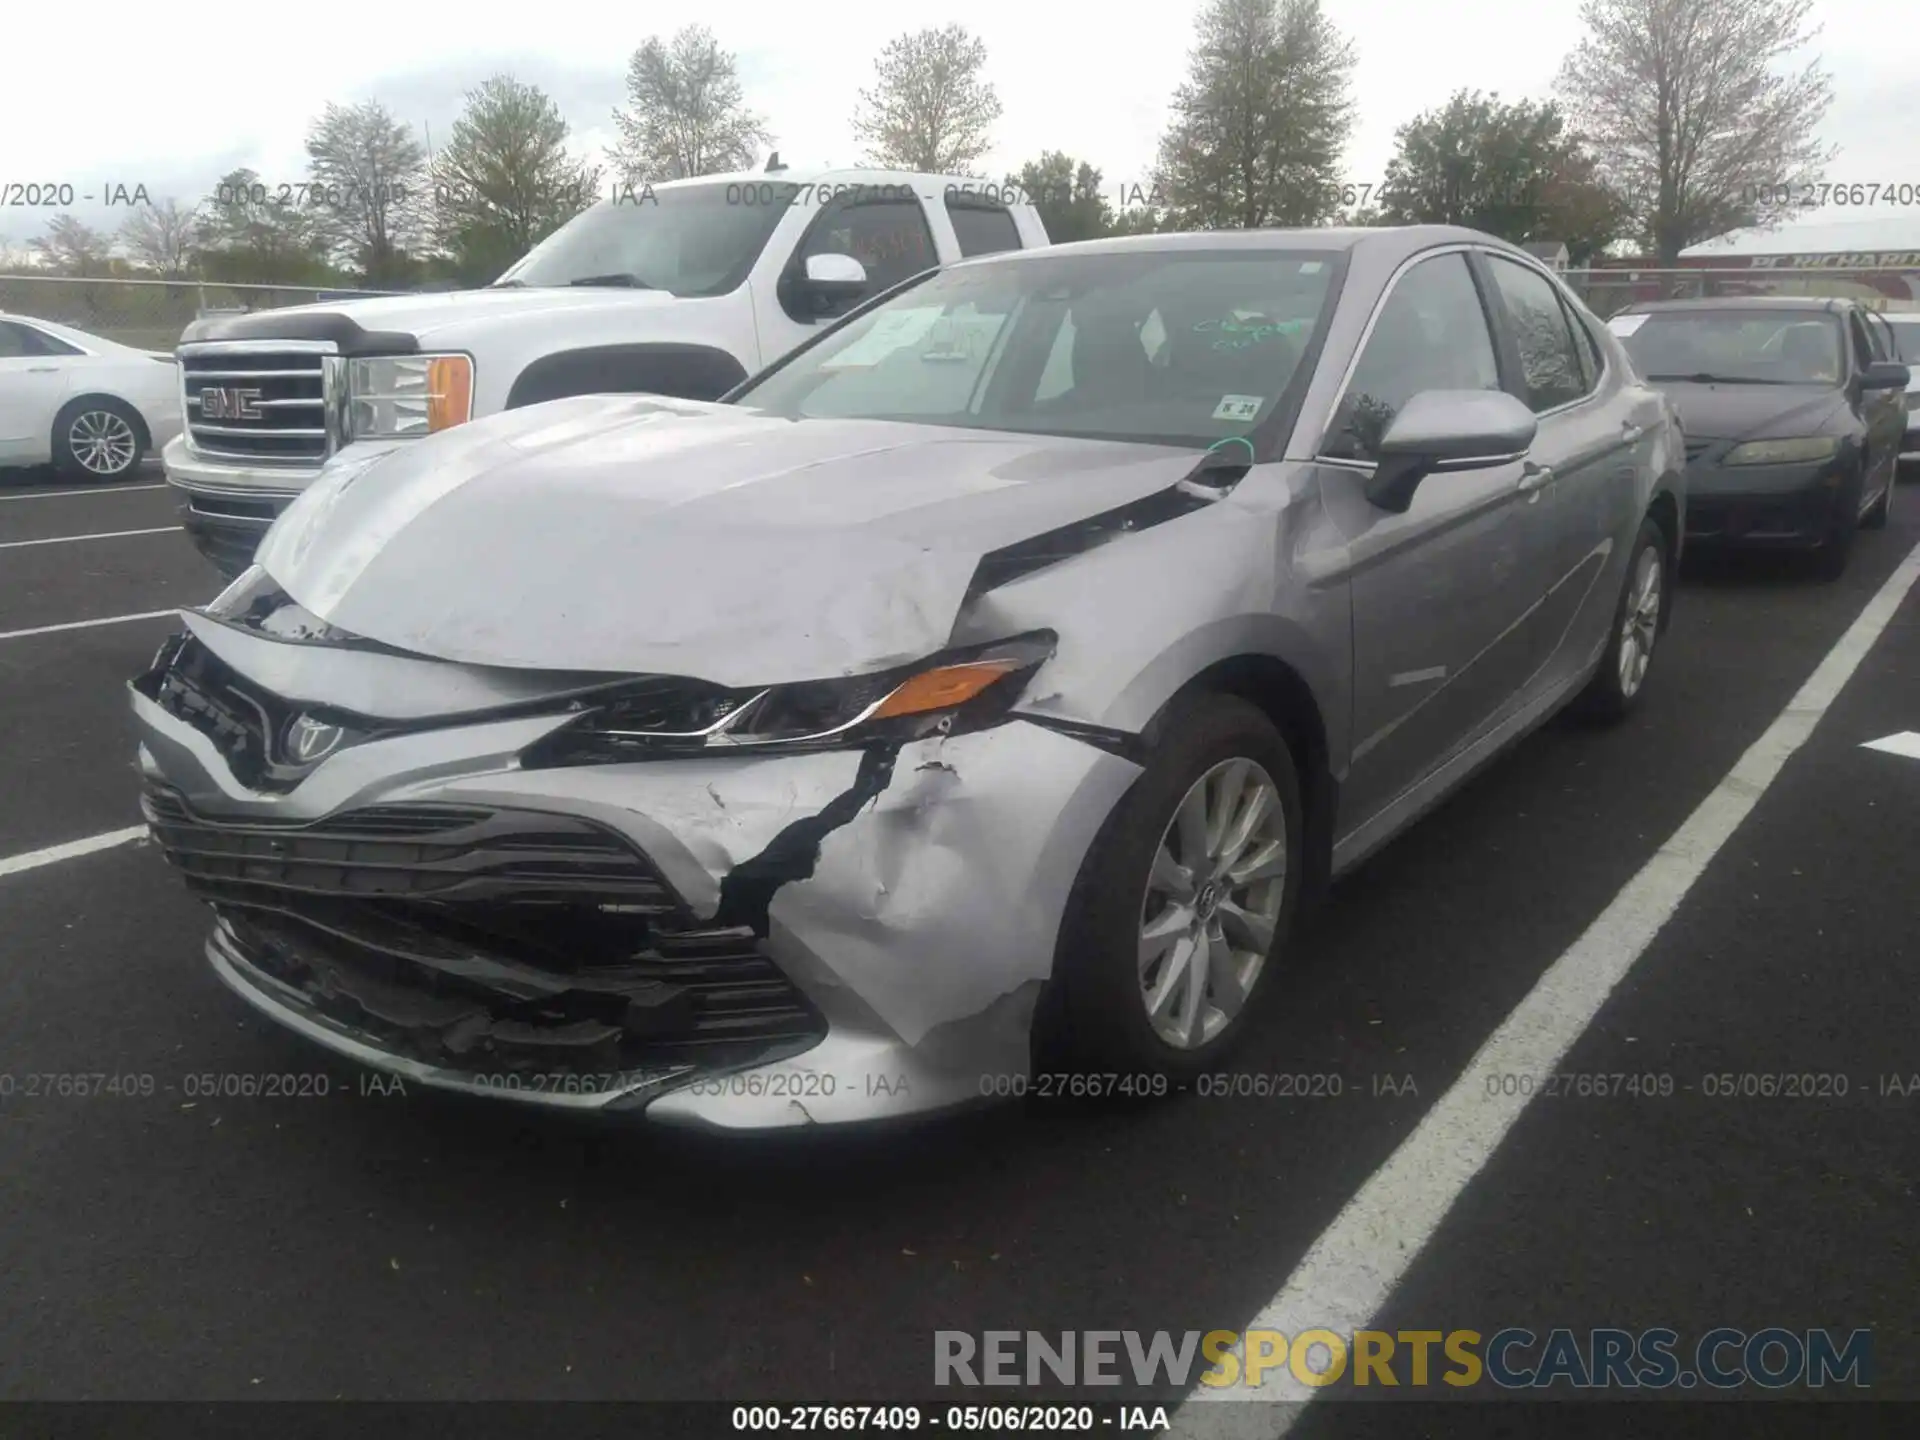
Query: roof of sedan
(1407, 237)
(1815, 303)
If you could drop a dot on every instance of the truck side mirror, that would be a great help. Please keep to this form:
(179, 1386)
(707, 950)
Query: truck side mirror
(833, 282)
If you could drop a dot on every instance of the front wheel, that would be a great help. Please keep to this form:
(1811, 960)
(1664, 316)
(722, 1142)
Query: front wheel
(1882, 509)
(1622, 675)
(97, 439)
(1183, 903)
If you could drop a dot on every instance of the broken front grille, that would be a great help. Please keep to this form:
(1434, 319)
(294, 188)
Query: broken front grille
(486, 939)
(428, 852)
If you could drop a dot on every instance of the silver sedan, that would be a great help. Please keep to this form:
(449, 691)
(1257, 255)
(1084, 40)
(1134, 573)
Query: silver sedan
(986, 687)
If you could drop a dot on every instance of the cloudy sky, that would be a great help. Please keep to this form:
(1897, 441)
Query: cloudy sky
(173, 99)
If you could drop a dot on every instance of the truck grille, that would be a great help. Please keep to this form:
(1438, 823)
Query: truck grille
(270, 404)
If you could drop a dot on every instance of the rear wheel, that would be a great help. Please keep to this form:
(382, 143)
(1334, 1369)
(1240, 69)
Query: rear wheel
(98, 438)
(1183, 904)
(1637, 623)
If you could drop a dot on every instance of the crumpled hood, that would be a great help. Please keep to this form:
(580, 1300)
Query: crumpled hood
(1752, 412)
(635, 534)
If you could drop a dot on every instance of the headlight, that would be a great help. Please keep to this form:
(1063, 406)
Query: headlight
(1784, 452)
(394, 397)
(948, 694)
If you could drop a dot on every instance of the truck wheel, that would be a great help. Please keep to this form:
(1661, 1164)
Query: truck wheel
(98, 438)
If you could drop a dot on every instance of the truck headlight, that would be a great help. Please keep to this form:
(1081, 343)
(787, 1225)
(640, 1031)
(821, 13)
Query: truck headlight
(1784, 452)
(397, 397)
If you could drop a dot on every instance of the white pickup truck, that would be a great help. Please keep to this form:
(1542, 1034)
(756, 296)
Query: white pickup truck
(683, 288)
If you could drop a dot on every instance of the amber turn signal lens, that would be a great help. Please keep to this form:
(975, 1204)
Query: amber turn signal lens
(944, 688)
(449, 392)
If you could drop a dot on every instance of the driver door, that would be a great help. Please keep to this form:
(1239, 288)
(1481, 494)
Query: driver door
(1447, 596)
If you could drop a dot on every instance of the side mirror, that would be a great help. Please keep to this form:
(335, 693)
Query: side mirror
(1442, 430)
(832, 282)
(1885, 375)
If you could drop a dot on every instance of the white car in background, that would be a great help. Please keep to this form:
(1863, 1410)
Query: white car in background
(1905, 326)
(89, 406)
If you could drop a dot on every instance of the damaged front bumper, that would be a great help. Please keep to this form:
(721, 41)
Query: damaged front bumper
(736, 942)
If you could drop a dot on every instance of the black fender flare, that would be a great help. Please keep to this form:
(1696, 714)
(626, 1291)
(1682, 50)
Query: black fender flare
(685, 372)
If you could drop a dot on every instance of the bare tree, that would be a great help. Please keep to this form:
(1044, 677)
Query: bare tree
(249, 233)
(161, 237)
(1695, 112)
(368, 193)
(1259, 125)
(72, 248)
(687, 115)
(930, 109)
(14, 257)
(505, 181)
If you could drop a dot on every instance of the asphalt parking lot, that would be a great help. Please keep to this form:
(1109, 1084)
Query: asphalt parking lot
(383, 1246)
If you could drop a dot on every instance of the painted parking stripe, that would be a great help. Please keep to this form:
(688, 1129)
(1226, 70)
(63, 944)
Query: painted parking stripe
(84, 490)
(71, 539)
(72, 850)
(86, 624)
(1348, 1274)
(1906, 743)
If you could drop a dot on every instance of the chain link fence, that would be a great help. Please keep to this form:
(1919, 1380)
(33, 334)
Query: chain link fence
(1607, 290)
(149, 314)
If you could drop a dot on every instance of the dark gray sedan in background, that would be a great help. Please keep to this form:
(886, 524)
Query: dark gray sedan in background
(1793, 419)
(986, 686)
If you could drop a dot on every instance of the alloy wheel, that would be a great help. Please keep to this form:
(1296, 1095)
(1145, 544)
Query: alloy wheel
(1642, 623)
(1213, 903)
(102, 442)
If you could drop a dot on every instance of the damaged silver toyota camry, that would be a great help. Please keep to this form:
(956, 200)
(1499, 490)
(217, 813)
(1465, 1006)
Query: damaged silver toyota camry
(986, 686)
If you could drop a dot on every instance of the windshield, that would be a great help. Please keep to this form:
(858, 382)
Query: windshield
(1183, 348)
(1771, 347)
(1906, 339)
(684, 239)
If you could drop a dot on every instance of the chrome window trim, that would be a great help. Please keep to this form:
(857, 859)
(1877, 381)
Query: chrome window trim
(46, 334)
(1454, 247)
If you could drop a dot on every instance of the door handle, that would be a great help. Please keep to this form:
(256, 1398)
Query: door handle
(1535, 477)
(43, 369)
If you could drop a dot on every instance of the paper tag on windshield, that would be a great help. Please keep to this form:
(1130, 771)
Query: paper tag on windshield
(1626, 324)
(888, 334)
(1237, 407)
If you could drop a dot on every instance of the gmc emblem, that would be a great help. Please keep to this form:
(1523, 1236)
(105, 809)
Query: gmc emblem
(228, 403)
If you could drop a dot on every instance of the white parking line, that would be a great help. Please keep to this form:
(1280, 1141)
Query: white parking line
(102, 535)
(1347, 1275)
(85, 624)
(84, 490)
(73, 849)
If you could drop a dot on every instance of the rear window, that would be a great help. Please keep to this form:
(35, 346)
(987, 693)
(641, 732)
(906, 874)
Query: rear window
(982, 228)
(1906, 339)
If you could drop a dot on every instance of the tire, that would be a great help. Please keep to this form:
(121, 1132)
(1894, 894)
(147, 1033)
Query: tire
(1638, 620)
(1830, 560)
(98, 438)
(1882, 509)
(1096, 1016)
